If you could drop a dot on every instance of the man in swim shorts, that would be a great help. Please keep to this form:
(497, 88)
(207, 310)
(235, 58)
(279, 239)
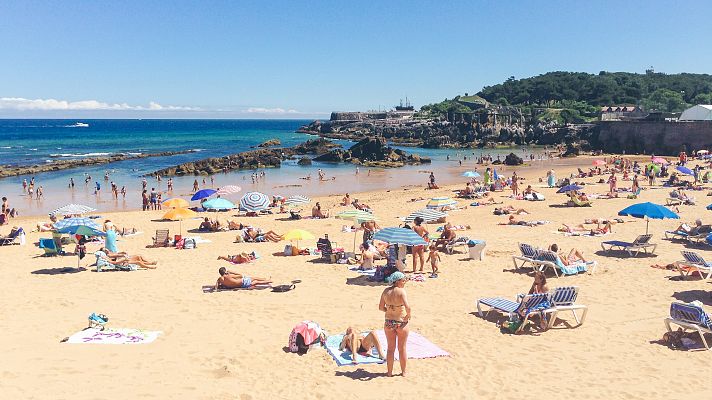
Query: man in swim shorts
(233, 280)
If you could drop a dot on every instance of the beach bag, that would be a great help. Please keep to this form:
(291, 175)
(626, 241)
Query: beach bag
(189, 243)
(288, 250)
(304, 335)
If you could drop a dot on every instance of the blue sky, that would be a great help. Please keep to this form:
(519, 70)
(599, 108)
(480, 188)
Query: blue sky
(303, 59)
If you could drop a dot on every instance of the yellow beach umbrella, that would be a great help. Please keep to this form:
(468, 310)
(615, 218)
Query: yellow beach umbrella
(179, 214)
(176, 202)
(298, 234)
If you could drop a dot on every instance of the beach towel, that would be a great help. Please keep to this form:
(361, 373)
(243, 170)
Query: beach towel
(113, 336)
(417, 346)
(369, 272)
(211, 288)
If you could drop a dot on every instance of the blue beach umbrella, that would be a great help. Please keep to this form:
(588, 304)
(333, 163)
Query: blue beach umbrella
(219, 204)
(569, 188)
(471, 174)
(648, 210)
(254, 201)
(201, 194)
(69, 225)
(684, 170)
(709, 207)
(396, 235)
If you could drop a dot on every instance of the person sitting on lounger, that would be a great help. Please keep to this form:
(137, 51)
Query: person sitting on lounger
(240, 258)
(233, 280)
(688, 228)
(574, 256)
(448, 234)
(354, 342)
(317, 213)
(539, 285)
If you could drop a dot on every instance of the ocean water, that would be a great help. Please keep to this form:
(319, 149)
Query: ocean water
(29, 142)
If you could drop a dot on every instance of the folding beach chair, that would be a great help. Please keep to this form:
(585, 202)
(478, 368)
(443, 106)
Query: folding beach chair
(547, 259)
(564, 299)
(529, 305)
(528, 256)
(49, 246)
(692, 263)
(12, 237)
(642, 242)
(689, 317)
(162, 238)
(460, 241)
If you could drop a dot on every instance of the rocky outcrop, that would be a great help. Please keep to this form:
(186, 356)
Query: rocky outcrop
(304, 161)
(57, 165)
(270, 143)
(373, 152)
(513, 159)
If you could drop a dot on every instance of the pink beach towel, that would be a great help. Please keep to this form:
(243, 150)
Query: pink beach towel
(418, 346)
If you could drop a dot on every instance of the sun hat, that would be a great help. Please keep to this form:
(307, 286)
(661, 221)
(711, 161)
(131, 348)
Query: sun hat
(395, 277)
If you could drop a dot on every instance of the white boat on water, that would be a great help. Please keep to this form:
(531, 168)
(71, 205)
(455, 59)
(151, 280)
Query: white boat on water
(80, 125)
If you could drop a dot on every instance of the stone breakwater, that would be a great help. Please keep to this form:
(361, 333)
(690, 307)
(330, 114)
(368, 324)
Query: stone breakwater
(57, 165)
(367, 152)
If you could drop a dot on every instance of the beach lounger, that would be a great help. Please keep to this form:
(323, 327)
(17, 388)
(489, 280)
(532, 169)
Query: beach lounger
(12, 237)
(460, 241)
(547, 259)
(162, 238)
(689, 317)
(564, 299)
(642, 242)
(578, 203)
(692, 263)
(49, 246)
(672, 201)
(528, 255)
(104, 265)
(529, 304)
(680, 235)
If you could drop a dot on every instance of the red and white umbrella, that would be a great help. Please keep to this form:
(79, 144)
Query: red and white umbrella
(229, 189)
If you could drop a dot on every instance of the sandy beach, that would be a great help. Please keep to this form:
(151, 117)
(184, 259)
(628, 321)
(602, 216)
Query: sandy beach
(231, 344)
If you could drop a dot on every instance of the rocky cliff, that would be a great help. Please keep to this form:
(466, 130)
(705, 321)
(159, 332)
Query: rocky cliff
(373, 152)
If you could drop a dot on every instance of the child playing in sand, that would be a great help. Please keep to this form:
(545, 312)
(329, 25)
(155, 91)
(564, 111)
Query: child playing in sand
(434, 258)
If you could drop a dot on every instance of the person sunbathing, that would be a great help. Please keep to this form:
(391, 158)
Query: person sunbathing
(539, 285)
(354, 342)
(367, 257)
(233, 280)
(513, 221)
(234, 225)
(607, 228)
(509, 210)
(468, 191)
(125, 259)
(206, 225)
(240, 258)
(574, 256)
(252, 235)
(448, 234)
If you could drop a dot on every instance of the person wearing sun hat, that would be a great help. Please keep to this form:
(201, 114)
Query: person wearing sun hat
(394, 303)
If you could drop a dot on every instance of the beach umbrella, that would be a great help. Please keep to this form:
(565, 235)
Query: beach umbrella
(357, 216)
(659, 160)
(87, 231)
(599, 163)
(471, 174)
(396, 235)
(74, 223)
(218, 204)
(569, 188)
(179, 214)
(427, 214)
(175, 202)
(684, 170)
(228, 189)
(201, 194)
(297, 200)
(440, 202)
(648, 210)
(72, 209)
(709, 207)
(298, 234)
(254, 201)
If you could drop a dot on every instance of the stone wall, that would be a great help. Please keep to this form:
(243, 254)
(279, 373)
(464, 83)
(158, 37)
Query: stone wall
(356, 116)
(653, 137)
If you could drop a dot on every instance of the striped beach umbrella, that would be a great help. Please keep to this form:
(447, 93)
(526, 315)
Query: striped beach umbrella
(254, 201)
(201, 194)
(70, 224)
(297, 200)
(440, 202)
(427, 214)
(471, 174)
(228, 189)
(356, 215)
(218, 204)
(72, 209)
(396, 235)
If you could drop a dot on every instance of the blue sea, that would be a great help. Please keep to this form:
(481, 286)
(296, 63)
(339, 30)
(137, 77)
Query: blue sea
(30, 142)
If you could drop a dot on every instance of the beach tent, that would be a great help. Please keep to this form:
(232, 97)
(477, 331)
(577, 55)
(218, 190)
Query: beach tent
(700, 112)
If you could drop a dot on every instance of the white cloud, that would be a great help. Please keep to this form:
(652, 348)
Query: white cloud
(262, 110)
(22, 104)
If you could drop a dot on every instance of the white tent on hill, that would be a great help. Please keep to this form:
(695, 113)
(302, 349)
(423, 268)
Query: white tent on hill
(700, 112)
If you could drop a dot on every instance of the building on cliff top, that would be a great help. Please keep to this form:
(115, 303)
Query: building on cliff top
(700, 112)
(619, 113)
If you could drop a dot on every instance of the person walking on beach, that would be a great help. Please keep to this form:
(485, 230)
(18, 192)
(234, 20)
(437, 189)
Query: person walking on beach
(98, 188)
(170, 184)
(394, 303)
(651, 176)
(71, 183)
(434, 259)
(154, 199)
(612, 185)
(40, 192)
(195, 185)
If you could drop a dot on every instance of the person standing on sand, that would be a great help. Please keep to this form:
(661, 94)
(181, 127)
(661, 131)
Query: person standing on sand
(195, 185)
(394, 303)
(419, 250)
(613, 185)
(515, 184)
(24, 185)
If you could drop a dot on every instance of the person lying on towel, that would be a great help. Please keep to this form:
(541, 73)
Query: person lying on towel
(362, 344)
(233, 280)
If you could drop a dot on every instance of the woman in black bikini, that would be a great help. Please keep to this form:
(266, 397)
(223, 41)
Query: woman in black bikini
(394, 303)
(363, 344)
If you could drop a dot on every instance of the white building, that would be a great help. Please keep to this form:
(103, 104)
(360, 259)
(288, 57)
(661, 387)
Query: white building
(700, 112)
